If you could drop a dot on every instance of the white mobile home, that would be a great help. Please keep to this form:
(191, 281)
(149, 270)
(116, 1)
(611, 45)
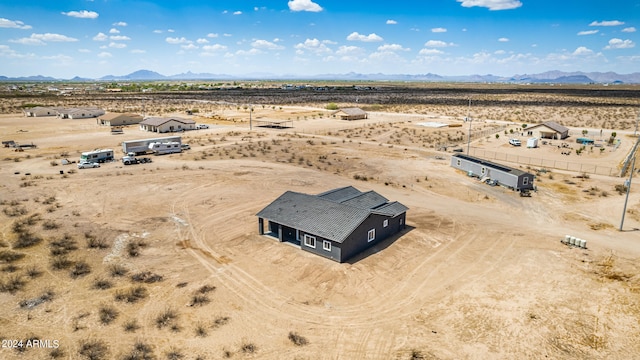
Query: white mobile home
(163, 125)
(40, 111)
(142, 146)
(488, 171)
(161, 148)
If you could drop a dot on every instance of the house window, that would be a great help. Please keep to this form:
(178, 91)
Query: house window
(371, 235)
(310, 241)
(385, 223)
(458, 162)
(326, 245)
(525, 181)
(400, 221)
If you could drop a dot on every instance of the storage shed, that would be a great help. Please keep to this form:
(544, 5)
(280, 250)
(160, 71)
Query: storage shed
(336, 224)
(501, 175)
(548, 130)
(119, 119)
(351, 114)
(170, 124)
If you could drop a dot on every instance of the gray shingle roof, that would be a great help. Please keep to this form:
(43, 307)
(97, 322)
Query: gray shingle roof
(551, 125)
(157, 121)
(333, 215)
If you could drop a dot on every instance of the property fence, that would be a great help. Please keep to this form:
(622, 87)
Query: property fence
(545, 163)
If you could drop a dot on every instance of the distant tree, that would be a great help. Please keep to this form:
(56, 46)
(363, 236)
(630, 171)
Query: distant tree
(332, 106)
(524, 126)
(614, 134)
(585, 132)
(497, 136)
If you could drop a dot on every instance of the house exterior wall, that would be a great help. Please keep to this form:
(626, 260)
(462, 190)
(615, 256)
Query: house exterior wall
(543, 132)
(42, 112)
(85, 114)
(169, 126)
(358, 240)
(334, 254)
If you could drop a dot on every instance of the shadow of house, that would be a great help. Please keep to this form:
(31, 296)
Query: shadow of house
(337, 224)
(350, 114)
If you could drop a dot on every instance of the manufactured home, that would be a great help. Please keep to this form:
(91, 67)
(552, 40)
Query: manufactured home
(80, 113)
(118, 119)
(336, 224)
(39, 111)
(350, 114)
(139, 147)
(548, 130)
(494, 173)
(97, 156)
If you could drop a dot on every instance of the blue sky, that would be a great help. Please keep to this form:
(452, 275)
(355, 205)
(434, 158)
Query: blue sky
(94, 38)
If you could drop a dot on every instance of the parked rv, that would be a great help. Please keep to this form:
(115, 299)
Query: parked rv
(141, 147)
(97, 156)
(160, 148)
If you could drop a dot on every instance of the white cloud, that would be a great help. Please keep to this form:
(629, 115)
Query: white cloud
(581, 51)
(492, 4)
(619, 44)
(114, 31)
(120, 23)
(82, 14)
(176, 40)
(313, 45)
(251, 52)
(137, 51)
(438, 44)
(189, 46)
(588, 32)
(42, 39)
(105, 54)
(215, 47)
(157, 31)
(354, 36)
(503, 39)
(392, 47)
(171, 30)
(212, 35)
(349, 51)
(227, 35)
(100, 37)
(14, 24)
(438, 30)
(304, 5)
(499, 52)
(267, 45)
(607, 23)
(430, 52)
(629, 30)
(117, 45)
(391, 22)
(202, 41)
(237, 13)
(6, 51)
(86, 51)
(119, 38)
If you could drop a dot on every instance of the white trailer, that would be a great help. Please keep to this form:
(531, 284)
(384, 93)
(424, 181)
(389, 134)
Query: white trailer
(97, 156)
(141, 147)
(532, 143)
(161, 148)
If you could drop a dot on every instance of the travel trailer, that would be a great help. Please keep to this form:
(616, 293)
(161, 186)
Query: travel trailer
(160, 148)
(97, 156)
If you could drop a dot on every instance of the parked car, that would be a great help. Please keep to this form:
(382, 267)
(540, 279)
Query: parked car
(185, 147)
(87, 165)
(202, 126)
(515, 142)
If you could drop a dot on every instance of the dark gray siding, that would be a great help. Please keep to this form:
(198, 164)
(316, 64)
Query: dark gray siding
(333, 254)
(358, 241)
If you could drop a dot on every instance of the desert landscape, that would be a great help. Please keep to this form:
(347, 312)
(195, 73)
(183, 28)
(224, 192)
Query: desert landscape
(163, 260)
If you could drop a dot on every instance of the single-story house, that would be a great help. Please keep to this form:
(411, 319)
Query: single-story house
(118, 119)
(493, 173)
(80, 113)
(336, 224)
(163, 125)
(548, 130)
(38, 111)
(350, 114)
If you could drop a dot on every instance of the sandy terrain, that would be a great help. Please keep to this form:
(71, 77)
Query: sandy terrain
(480, 273)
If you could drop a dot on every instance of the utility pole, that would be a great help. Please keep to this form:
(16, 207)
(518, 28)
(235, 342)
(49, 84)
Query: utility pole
(637, 119)
(250, 112)
(469, 120)
(626, 199)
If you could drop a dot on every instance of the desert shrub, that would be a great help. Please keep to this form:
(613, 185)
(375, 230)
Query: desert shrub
(26, 239)
(14, 211)
(166, 318)
(107, 314)
(220, 321)
(206, 289)
(8, 256)
(248, 348)
(50, 225)
(199, 300)
(9, 268)
(132, 295)
(61, 262)
(94, 242)
(140, 351)
(146, 277)
(93, 349)
(134, 248)
(297, 340)
(201, 330)
(80, 269)
(174, 354)
(14, 284)
(56, 353)
(117, 270)
(33, 272)
(416, 355)
(621, 189)
(131, 326)
(63, 246)
(102, 284)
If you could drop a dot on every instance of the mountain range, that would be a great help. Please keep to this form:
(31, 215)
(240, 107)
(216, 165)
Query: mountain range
(545, 77)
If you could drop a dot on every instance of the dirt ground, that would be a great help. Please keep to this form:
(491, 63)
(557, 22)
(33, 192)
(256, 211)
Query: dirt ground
(480, 273)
